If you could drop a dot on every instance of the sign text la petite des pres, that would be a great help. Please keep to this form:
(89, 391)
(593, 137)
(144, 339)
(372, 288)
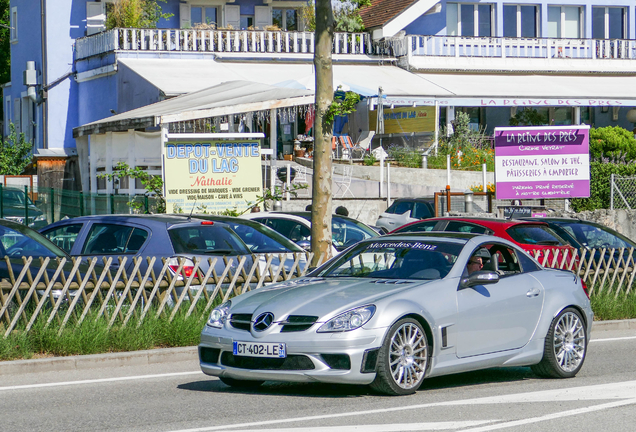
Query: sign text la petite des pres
(212, 176)
(542, 162)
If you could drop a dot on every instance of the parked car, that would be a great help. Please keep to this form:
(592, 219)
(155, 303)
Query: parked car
(18, 241)
(405, 210)
(394, 310)
(161, 236)
(262, 240)
(296, 226)
(17, 206)
(531, 236)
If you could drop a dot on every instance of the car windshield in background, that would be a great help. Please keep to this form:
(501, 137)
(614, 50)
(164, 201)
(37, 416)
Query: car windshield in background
(16, 243)
(594, 236)
(206, 239)
(411, 259)
(262, 239)
(347, 232)
(535, 235)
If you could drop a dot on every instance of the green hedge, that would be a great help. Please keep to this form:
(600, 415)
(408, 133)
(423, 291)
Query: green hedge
(613, 143)
(600, 187)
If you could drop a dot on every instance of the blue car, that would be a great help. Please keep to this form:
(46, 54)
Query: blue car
(160, 236)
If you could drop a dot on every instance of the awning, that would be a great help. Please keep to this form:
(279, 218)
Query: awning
(232, 97)
(527, 90)
(177, 76)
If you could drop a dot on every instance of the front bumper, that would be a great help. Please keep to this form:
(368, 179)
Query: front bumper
(311, 356)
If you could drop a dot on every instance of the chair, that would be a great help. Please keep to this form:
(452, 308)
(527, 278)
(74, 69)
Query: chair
(343, 182)
(365, 139)
(301, 179)
(347, 146)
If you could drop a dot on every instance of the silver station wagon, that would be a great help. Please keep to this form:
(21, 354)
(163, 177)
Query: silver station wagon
(394, 310)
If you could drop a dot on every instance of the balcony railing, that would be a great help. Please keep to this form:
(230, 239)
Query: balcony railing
(499, 47)
(237, 41)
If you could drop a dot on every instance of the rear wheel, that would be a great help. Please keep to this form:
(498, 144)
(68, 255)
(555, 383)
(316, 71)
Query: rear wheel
(240, 383)
(565, 346)
(403, 359)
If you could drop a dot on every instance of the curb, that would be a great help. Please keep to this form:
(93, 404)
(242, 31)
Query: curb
(166, 355)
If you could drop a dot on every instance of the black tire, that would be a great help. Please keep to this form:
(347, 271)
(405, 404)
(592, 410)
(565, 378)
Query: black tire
(240, 383)
(565, 346)
(403, 359)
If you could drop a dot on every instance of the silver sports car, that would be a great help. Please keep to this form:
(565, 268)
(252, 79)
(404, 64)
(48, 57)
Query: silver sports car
(393, 310)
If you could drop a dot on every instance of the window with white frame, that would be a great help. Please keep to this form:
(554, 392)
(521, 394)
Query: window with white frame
(286, 19)
(473, 19)
(7, 116)
(521, 21)
(13, 23)
(565, 22)
(204, 15)
(26, 119)
(17, 111)
(609, 23)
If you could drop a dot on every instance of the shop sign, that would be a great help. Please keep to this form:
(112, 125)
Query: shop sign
(211, 176)
(542, 162)
(403, 120)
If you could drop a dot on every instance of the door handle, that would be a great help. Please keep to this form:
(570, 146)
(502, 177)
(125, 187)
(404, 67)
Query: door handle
(533, 292)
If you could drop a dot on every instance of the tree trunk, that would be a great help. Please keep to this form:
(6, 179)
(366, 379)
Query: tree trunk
(321, 199)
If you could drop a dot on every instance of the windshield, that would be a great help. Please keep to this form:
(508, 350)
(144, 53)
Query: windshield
(347, 232)
(540, 235)
(394, 259)
(19, 243)
(594, 236)
(262, 239)
(207, 239)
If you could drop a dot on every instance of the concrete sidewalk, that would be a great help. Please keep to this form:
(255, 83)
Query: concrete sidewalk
(165, 355)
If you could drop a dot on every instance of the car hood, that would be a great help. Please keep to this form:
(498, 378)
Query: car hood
(321, 297)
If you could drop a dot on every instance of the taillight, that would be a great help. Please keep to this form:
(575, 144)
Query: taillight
(585, 289)
(207, 222)
(188, 267)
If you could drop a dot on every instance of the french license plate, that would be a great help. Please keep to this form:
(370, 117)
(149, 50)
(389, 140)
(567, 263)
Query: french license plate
(249, 349)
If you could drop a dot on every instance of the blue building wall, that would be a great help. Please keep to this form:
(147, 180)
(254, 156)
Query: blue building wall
(435, 24)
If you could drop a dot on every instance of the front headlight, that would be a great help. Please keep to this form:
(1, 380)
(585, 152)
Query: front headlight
(219, 315)
(349, 320)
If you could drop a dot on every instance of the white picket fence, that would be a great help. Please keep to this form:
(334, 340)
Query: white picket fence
(112, 293)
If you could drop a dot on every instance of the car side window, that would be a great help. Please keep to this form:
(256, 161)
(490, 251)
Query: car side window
(465, 227)
(419, 227)
(421, 211)
(136, 240)
(504, 260)
(403, 207)
(64, 236)
(107, 239)
(535, 235)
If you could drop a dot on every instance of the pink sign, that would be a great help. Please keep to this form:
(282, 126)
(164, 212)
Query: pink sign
(542, 162)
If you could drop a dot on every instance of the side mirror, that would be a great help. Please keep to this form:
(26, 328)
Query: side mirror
(305, 244)
(485, 277)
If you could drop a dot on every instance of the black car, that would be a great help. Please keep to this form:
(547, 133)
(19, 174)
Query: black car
(18, 207)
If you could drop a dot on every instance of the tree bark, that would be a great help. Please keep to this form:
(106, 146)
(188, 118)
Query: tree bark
(321, 202)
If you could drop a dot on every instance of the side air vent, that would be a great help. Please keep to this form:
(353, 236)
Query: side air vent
(241, 321)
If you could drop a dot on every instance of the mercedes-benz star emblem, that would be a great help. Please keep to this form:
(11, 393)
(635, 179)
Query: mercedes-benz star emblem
(263, 321)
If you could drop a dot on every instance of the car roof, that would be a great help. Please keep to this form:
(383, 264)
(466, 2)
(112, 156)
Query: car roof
(487, 222)
(142, 219)
(437, 234)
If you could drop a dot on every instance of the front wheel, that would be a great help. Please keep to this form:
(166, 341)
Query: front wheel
(403, 359)
(565, 346)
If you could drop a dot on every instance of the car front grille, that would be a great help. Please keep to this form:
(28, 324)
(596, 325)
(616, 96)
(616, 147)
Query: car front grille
(291, 362)
(241, 321)
(297, 323)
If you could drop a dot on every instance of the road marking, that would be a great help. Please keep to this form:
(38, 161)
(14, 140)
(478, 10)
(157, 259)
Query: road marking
(552, 416)
(613, 339)
(621, 390)
(101, 380)
(397, 427)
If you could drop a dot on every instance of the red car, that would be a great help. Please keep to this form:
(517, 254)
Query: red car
(531, 236)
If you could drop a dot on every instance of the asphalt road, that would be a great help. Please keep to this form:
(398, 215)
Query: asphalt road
(176, 396)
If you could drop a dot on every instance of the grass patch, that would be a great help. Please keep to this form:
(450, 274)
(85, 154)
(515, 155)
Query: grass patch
(607, 307)
(92, 336)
